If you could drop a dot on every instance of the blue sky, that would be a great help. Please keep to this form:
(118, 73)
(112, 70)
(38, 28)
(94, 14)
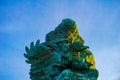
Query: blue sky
(24, 21)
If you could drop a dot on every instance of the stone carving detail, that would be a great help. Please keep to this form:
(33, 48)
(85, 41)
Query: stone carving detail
(63, 56)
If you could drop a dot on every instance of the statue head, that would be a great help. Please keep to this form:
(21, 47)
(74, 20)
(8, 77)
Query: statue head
(66, 29)
(67, 25)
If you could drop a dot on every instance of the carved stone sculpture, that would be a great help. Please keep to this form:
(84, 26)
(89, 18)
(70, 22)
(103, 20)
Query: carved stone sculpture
(63, 56)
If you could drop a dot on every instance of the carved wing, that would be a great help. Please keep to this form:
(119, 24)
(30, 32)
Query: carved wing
(40, 57)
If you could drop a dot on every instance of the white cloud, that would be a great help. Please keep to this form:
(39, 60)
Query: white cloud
(107, 61)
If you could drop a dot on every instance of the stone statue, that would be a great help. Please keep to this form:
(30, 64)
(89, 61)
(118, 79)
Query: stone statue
(63, 56)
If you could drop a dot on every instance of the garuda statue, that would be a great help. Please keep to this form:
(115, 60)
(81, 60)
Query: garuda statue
(63, 56)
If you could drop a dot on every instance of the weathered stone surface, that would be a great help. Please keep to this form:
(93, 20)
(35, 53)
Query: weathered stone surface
(63, 56)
